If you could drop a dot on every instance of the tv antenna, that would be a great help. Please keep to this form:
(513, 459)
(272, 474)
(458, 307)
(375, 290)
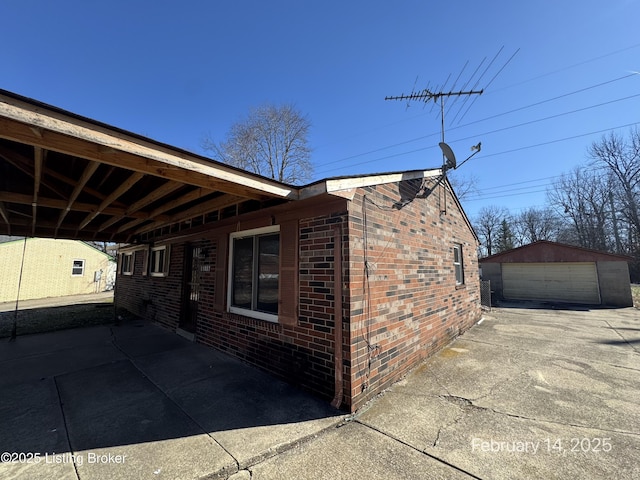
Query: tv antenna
(426, 95)
(448, 157)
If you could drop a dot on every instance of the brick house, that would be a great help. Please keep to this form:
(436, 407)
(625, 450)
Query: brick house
(340, 286)
(391, 262)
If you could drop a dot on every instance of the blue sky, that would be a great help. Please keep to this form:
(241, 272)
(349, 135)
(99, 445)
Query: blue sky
(175, 71)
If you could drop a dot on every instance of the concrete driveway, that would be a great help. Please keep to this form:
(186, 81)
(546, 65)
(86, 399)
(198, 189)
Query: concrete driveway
(529, 393)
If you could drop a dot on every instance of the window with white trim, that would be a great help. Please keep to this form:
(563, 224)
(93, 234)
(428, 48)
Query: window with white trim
(126, 263)
(77, 270)
(159, 261)
(458, 264)
(254, 273)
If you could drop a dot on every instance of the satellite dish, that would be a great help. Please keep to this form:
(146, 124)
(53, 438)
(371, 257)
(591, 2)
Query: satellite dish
(448, 154)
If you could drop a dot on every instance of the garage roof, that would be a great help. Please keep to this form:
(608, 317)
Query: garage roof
(544, 251)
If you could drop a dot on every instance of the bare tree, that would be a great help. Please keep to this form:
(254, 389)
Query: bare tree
(487, 224)
(463, 185)
(621, 158)
(271, 141)
(582, 196)
(534, 224)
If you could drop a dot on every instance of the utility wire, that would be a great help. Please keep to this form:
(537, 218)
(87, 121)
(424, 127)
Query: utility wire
(500, 188)
(341, 160)
(565, 68)
(491, 132)
(503, 196)
(550, 99)
(490, 82)
(492, 91)
(560, 140)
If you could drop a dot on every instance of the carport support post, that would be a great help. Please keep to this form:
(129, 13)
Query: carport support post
(116, 319)
(14, 327)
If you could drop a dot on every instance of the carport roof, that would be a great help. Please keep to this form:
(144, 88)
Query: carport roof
(547, 251)
(67, 176)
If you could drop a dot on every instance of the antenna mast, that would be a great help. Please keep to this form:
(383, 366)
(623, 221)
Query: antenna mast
(448, 158)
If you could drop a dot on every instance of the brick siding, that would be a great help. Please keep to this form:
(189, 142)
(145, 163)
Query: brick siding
(407, 305)
(405, 309)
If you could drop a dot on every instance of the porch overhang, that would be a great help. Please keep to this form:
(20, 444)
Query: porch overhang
(66, 176)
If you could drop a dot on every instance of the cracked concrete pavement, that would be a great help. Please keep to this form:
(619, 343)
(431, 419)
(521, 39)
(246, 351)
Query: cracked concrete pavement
(528, 393)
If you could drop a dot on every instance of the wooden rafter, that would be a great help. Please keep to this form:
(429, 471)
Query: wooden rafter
(22, 163)
(86, 175)
(5, 215)
(126, 185)
(202, 209)
(21, 226)
(106, 176)
(22, 199)
(38, 160)
(178, 202)
(166, 189)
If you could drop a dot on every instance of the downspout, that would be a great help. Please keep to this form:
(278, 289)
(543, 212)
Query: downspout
(337, 316)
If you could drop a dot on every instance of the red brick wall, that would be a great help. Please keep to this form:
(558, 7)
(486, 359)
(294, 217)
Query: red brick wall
(302, 354)
(409, 306)
(407, 309)
(153, 298)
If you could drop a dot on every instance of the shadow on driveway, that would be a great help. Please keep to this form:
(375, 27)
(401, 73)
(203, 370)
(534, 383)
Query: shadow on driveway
(164, 404)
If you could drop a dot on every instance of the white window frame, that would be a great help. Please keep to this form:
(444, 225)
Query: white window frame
(73, 267)
(243, 311)
(458, 266)
(155, 268)
(124, 255)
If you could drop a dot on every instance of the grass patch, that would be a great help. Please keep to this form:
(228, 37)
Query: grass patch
(635, 294)
(50, 319)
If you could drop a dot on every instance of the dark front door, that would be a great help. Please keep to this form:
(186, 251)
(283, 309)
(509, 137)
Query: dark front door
(191, 289)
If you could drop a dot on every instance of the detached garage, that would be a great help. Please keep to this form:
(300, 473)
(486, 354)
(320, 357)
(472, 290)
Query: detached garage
(553, 272)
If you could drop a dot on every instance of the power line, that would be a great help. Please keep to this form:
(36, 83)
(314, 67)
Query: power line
(489, 93)
(550, 99)
(521, 183)
(500, 187)
(560, 140)
(549, 117)
(499, 193)
(566, 68)
(506, 151)
(482, 120)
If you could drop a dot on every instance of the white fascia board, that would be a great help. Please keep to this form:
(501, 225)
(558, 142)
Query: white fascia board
(337, 185)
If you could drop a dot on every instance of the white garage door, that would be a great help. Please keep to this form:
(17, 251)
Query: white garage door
(557, 282)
